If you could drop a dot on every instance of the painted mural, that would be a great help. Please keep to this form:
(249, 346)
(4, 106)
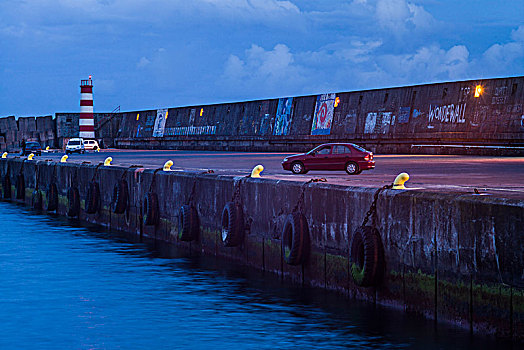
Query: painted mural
(323, 116)
(160, 122)
(284, 116)
(379, 122)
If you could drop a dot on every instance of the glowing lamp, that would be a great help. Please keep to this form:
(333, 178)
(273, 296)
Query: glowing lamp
(201, 111)
(167, 112)
(137, 116)
(478, 90)
(337, 101)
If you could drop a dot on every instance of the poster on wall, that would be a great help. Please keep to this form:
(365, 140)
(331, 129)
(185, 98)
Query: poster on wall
(283, 117)
(160, 122)
(323, 114)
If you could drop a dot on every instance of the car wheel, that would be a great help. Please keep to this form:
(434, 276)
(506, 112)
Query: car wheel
(67, 152)
(352, 168)
(297, 168)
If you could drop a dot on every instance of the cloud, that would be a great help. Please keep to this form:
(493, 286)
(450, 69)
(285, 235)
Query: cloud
(399, 15)
(143, 62)
(518, 34)
(263, 71)
(505, 58)
(430, 63)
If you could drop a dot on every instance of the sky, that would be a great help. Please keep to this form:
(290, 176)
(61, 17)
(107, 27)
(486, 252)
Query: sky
(148, 54)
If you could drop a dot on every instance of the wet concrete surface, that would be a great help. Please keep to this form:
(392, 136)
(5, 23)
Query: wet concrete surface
(496, 176)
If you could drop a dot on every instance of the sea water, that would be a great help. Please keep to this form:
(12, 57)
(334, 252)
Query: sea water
(68, 286)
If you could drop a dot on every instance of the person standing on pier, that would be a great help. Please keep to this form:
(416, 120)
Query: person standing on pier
(22, 144)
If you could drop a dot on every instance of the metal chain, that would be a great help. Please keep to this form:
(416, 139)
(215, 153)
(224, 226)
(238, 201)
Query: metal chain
(236, 192)
(373, 208)
(192, 193)
(37, 177)
(299, 207)
(153, 182)
(96, 171)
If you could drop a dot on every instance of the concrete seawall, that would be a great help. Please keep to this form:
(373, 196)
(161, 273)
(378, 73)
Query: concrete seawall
(456, 258)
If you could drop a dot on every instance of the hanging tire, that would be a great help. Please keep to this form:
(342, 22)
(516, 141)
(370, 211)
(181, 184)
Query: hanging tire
(367, 257)
(150, 208)
(295, 239)
(119, 200)
(20, 187)
(52, 197)
(73, 202)
(36, 200)
(188, 225)
(232, 225)
(6, 186)
(92, 197)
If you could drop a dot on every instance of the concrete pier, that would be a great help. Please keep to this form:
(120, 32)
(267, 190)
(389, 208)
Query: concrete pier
(453, 257)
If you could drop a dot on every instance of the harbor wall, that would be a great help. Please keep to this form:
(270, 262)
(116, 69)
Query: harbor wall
(456, 258)
(443, 118)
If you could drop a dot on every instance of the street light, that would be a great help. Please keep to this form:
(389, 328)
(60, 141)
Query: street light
(478, 90)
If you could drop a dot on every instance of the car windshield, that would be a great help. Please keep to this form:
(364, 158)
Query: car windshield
(32, 144)
(74, 143)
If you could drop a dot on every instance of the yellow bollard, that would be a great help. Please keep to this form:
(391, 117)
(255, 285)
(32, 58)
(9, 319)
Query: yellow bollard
(399, 181)
(257, 170)
(47, 148)
(167, 165)
(4, 155)
(64, 158)
(108, 161)
(30, 156)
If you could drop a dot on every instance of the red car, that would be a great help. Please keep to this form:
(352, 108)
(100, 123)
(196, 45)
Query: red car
(331, 156)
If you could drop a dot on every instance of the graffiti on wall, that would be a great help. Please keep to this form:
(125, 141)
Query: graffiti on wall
(191, 130)
(192, 114)
(403, 116)
(160, 122)
(453, 114)
(283, 117)
(500, 95)
(323, 116)
(379, 122)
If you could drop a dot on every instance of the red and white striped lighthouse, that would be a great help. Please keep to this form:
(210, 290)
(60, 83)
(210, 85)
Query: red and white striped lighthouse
(87, 120)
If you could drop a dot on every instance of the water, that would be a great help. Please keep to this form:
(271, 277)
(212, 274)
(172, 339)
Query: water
(67, 286)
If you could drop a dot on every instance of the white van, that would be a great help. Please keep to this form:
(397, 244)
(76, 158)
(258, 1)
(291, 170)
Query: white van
(91, 144)
(75, 145)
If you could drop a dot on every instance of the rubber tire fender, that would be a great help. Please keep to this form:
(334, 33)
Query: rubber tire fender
(73, 202)
(367, 257)
(119, 201)
(92, 197)
(232, 224)
(20, 187)
(188, 225)
(150, 209)
(52, 197)
(6, 186)
(295, 239)
(36, 200)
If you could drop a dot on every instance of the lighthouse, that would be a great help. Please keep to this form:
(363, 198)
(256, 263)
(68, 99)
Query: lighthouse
(86, 121)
